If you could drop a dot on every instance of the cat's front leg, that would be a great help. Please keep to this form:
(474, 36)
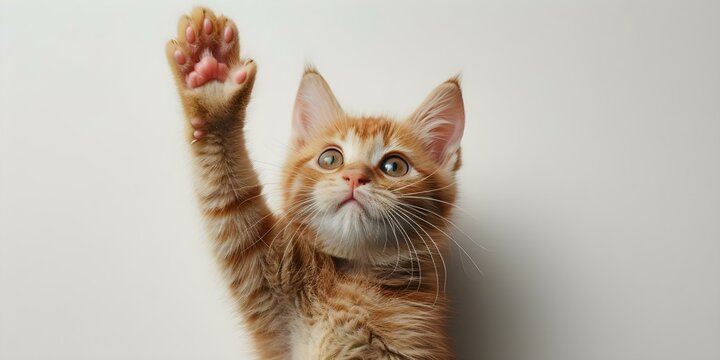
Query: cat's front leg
(214, 85)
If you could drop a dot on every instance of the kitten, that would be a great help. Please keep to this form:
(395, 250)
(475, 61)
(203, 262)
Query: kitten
(353, 268)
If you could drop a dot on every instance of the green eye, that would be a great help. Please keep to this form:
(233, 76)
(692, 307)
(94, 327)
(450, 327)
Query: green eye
(395, 166)
(330, 159)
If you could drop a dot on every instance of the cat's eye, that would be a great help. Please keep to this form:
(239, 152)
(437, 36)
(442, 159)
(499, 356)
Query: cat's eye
(395, 166)
(330, 159)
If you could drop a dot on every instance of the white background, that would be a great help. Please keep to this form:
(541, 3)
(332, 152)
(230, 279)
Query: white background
(591, 173)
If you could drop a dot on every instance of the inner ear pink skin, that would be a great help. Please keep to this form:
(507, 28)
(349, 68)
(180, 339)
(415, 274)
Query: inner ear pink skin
(441, 120)
(315, 105)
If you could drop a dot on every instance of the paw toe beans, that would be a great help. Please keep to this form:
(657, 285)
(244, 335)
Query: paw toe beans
(190, 35)
(206, 49)
(240, 76)
(228, 34)
(179, 57)
(207, 26)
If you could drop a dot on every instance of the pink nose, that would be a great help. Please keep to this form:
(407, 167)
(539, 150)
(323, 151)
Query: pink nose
(355, 178)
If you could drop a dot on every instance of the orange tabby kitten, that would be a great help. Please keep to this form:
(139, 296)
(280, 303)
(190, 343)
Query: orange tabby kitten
(353, 267)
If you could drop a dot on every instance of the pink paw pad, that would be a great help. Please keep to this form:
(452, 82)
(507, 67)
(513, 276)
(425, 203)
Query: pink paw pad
(179, 57)
(204, 59)
(207, 49)
(228, 34)
(207, 26)
(197, 124)
(207, 69)
(240, 76)
(190, 35)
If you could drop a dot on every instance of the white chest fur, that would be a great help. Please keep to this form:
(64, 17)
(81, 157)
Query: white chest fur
(306, 339)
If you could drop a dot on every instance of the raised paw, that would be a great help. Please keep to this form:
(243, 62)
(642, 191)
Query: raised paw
(207, 49)
(214, 83)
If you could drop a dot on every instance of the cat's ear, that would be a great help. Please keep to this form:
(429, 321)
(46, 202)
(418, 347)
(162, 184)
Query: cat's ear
(315, 106)
(440, 122)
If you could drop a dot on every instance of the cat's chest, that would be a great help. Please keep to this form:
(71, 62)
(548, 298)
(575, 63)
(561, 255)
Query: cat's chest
(340, 322)
(306, 338)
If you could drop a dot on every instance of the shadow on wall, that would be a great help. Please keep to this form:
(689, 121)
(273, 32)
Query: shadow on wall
(468, 289)
(489, 319)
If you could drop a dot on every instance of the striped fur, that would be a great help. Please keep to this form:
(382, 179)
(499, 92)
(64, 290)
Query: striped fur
(312, 284)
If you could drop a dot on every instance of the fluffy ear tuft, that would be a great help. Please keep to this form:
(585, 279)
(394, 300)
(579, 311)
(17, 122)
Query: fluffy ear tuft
(440, 121)
(315, 106)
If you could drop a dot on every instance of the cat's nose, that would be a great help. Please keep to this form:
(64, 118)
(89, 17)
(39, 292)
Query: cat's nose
(355, 178)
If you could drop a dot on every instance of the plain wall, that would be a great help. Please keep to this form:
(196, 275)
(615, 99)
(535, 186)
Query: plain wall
(591, 170)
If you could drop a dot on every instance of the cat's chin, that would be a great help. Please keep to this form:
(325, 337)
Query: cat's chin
(350, 233)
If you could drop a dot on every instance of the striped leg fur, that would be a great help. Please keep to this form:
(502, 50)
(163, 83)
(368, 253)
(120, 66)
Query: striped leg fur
(214, 84)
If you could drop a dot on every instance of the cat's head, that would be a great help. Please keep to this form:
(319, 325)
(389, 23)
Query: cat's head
(373, 187)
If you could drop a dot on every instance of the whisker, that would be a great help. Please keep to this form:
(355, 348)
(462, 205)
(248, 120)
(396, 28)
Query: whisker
(431, 190)
(407, 240)
(451, 238)
(420, 208)
(397, 244)
(400, 211)
(417, 181)
(400, 196)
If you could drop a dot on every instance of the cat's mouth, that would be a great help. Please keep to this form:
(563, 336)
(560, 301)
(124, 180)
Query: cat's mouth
(350, 200)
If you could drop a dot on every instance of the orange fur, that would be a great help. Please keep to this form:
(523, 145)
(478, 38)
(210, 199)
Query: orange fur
(305, 292)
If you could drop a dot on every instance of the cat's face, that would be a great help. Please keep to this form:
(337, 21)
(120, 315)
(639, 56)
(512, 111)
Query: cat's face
(371, 187)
